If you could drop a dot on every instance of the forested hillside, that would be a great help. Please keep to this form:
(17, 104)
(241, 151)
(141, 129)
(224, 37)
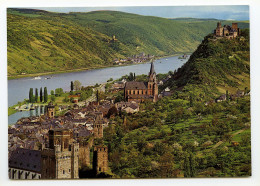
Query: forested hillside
(41, 41)
(217, 66)
(189, 134)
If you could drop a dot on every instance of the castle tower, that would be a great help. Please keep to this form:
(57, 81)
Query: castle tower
(60, 160)
(50, 110)
(98, 126)
(219, 30)
(234, 26)
(218, 24)
(100, 159)
(75, 160)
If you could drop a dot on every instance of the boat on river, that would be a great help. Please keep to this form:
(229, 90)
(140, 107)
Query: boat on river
(38, 77)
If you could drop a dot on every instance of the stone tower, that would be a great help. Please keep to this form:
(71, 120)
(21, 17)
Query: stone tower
(234, 26)
(60, 160)
(98, 126)
(152, 84)
(100, 159)
(219, 30)
(50, 110)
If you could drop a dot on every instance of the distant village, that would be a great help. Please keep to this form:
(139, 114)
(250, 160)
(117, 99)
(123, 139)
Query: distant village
(142, 57)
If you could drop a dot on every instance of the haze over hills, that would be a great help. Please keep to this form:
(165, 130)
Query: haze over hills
(41, 41)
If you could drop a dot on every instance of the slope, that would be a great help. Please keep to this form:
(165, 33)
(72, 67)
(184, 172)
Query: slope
(41, 41)
(216, 66)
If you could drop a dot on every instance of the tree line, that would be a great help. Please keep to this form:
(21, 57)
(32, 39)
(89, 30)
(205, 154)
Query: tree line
(34, 98)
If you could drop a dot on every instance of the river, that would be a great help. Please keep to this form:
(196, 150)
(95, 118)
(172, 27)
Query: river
(18, 89)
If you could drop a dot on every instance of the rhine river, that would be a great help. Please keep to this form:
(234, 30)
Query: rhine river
(18, 89)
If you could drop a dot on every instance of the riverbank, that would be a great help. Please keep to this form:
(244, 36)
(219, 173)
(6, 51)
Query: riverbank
(85, 69)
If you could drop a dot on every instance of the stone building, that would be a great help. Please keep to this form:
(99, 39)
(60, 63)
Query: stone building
(227, 31)
(50, 110)
(100, 159)
(84, 153)
(61, 159)
(98, 126)
(142, 91)
(25, 164)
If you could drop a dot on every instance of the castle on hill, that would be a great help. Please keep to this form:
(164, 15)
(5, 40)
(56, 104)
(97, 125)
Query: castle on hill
(142, 91)
(227, 31)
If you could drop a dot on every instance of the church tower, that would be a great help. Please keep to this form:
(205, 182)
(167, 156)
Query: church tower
(152, 84)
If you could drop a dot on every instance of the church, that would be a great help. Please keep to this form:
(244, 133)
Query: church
(142, 91)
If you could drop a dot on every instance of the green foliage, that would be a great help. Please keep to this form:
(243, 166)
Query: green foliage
(41, 95)
(45, 95)
(31, 98)
(71, 86)
(58, 92)
(36, 95)
(46, 42)
(77, 85)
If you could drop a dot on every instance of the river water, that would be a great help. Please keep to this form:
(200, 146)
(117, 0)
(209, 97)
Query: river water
(18, 89)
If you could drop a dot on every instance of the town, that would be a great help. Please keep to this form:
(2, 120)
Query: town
(167, 124)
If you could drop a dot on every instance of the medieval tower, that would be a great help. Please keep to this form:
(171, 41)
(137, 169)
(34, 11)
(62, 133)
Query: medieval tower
(50, 110)
(60, 160)
(100, 159)
(98, 126)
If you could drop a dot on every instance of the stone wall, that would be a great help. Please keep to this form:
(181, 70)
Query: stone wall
(18, 174)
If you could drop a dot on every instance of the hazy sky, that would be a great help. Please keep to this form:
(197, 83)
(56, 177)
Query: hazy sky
(218, 12)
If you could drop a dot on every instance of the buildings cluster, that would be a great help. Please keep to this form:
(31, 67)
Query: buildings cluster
(55, 147)
(229, 32)
(142, 57)
(231, 97)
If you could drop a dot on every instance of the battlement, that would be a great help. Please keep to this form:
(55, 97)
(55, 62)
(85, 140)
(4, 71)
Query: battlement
(100, 159)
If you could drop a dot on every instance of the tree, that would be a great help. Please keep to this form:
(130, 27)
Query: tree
(192, 165)
(131, 76)
(31, 95)
(97, 96)
(58, 92)
(187, 173)
(52, 92)
(71, 86)
(227, 96)
(166, 165)
(77, 85)
(191, 100)
(41, 98)
(134, 76)
(53, 98)
(112, 111)
(36, 95)
(45, 95)
(66, 99)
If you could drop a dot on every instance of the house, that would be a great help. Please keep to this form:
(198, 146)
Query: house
(129, 107)
(223, 97)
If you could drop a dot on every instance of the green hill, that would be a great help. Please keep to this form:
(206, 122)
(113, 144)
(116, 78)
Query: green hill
(216, 66)
(41, 41)
(182, 136)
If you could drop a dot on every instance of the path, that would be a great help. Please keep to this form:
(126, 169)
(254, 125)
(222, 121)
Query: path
(220, 142)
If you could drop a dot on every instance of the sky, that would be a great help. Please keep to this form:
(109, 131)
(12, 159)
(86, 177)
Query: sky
(232, 12)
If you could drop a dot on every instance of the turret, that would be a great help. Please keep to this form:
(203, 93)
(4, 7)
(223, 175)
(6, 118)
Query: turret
(50, 110)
